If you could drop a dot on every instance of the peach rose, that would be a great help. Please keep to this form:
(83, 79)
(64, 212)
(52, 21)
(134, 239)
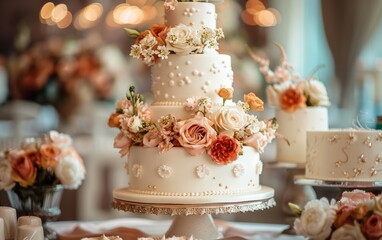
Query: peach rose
(372, 227)
(49, 155)
(152, 139)
(360, 211)
(23, 169)
(356, 196)
(254, 102)
(224, 149)
(258, 141)
(292, 99)
(123, 143)
(195, 134)
(225, 93)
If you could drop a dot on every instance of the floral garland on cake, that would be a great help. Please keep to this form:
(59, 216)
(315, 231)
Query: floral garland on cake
(357, 215)
(221, 133)
(287, 89)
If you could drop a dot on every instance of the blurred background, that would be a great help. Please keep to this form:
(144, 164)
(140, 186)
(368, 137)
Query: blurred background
(64, 63)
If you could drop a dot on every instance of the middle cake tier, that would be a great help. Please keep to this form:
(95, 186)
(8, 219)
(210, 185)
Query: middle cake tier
(182, 76)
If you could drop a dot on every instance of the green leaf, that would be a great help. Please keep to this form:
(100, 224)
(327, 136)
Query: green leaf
(132, 32)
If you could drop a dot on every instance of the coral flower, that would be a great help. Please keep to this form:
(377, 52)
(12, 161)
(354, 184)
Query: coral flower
(160, 33)
(292, 99)
(254, 102)
(224, 149)
(49, 156)
(113, 121)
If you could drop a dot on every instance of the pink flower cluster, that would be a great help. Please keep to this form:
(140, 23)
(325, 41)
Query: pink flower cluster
(221, 132)
(357, 215)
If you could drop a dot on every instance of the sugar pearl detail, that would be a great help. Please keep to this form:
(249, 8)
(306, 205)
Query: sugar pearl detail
(188, 62)
(171, 75)
(171, 83)
(169, 64)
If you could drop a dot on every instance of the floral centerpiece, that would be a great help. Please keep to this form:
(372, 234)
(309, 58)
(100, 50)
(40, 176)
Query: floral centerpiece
(287, 89)
(39, 168)
(220, 131)
(160, 40)
(357, 215)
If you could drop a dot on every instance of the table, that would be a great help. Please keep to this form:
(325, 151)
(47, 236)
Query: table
(131, 228)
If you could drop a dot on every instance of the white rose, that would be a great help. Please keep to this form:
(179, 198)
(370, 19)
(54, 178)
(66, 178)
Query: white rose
(348, 232)
(182, 39)
(316, 219)
(70, 172)
(230, 119)
(316, 92)
(59, 139)
(6, 181)
(134, 123)
(378, 205)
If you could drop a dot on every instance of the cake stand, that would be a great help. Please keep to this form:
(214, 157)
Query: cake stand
(334, 189)
(193, 214)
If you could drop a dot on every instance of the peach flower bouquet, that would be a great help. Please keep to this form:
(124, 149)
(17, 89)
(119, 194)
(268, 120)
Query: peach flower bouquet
(287, 89)
(42, 162)
(357, 215)
(220, 131)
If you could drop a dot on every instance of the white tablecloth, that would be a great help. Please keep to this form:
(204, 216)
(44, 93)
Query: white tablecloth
(75, 230)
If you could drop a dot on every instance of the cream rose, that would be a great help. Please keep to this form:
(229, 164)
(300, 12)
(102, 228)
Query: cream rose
(316, 219)
(70, 172)
(59, 139)
(6, 181)
(195, 134)
(230, 119)
(182, 39)
(348, 232)
(378, 205)
(258, 141)
(316, 93)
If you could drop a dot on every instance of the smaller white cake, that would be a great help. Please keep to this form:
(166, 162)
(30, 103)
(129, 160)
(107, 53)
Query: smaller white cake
(293, 126)
(344, 155)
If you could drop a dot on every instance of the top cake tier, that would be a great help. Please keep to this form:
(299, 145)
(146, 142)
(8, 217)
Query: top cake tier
(196, 14)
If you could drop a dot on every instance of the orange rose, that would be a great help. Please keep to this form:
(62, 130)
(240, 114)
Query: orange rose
(224, 149)
(49, 155)
(225, 93)
(160, 33)
(292, 99)
(360, 211)
(254, 102)
(344, 215)
(113, 121)
(23, 169)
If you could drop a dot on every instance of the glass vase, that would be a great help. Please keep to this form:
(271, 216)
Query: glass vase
(40, 201)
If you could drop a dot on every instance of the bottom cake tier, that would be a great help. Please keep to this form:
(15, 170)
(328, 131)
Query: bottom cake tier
(176, 173)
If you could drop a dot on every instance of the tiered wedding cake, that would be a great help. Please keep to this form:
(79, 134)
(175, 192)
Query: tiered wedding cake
(301, 107)
(193, 144)
(344, 155)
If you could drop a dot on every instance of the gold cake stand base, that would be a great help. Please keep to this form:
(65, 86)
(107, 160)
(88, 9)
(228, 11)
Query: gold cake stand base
(195, 219)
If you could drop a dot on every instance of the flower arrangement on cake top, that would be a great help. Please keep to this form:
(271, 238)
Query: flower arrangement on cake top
(357, 215)
(221, 132)
(287, 89)
(42, 162)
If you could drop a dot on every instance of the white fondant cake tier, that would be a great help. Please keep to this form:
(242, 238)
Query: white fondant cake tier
(180, 77)
(193, 14)
(293, 126)
(262, 193)
(177, 173)
(344, 155)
